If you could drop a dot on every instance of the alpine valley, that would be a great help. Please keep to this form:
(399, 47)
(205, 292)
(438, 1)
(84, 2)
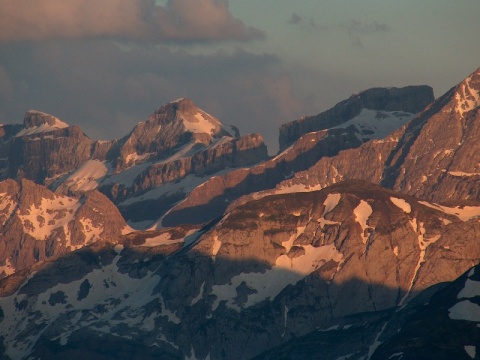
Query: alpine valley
(359, 240)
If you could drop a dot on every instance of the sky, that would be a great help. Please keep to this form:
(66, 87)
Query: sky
(256, 64)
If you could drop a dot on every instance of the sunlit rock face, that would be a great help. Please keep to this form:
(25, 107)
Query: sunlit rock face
(36, 224)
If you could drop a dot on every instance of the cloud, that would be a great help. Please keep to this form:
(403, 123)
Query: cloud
(199, 19)
(107, 90)
(306, 24)
(178, 20)
(357, 29)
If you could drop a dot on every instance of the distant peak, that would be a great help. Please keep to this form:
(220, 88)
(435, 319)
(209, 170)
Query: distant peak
(183, 104)
(35, 118)
(193, 119)
(467, 93)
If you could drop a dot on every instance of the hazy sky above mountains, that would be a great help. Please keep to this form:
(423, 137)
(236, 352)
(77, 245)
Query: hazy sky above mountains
(105, 65)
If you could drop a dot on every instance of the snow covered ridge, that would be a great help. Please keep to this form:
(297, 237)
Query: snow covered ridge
(376, 124)
(467, 95)
(37, 122)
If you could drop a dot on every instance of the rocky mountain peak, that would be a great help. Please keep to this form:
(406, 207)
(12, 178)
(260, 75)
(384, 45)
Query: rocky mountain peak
(467, 93)
(409, 99)
(190, 118)
(34, 118)
(177, 124)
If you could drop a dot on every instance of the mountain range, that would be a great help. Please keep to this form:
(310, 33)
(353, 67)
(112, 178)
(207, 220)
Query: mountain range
(185, 240)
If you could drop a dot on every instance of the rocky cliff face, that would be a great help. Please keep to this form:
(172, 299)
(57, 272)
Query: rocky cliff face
(36, 224)
(44, 148)
(411, 99)
(218, 192)
(433, 157)
(280, 266)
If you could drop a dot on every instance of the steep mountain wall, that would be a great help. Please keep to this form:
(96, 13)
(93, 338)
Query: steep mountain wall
(411, 99)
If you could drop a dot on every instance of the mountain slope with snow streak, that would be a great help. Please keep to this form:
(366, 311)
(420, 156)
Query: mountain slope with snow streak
(277, 263)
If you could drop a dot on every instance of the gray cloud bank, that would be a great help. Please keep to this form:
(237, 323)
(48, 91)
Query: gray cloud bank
(356, 29)
(106, 89)
(178, 20)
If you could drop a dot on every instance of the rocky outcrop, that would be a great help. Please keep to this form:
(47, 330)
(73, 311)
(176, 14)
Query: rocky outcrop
(36, 224)
(281, 266)
(412, 99)
(45, 148)
(39, 157)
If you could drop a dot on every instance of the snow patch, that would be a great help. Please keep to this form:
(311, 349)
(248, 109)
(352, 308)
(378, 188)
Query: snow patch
(289, 243)
(163, 239)
(52, 214)
(269, 284)
(395, 250)
(88, 176)
(470, 290)
(201, 122)
(466, 96)
(465, 310)
(423, 244)
(217, 244)
(362, 212)
(470, 350)
(402, 204)
(331, 202)
(58, 124)
(91, 232)
(296, 188)
(107, 286)
(136, 158)
(464, 213)
(8, 268)
(463, 174)
(376, 124)
(199, 296)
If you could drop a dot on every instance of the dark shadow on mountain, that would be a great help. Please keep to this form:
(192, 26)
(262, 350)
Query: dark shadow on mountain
(313, 303)
(430, 332)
